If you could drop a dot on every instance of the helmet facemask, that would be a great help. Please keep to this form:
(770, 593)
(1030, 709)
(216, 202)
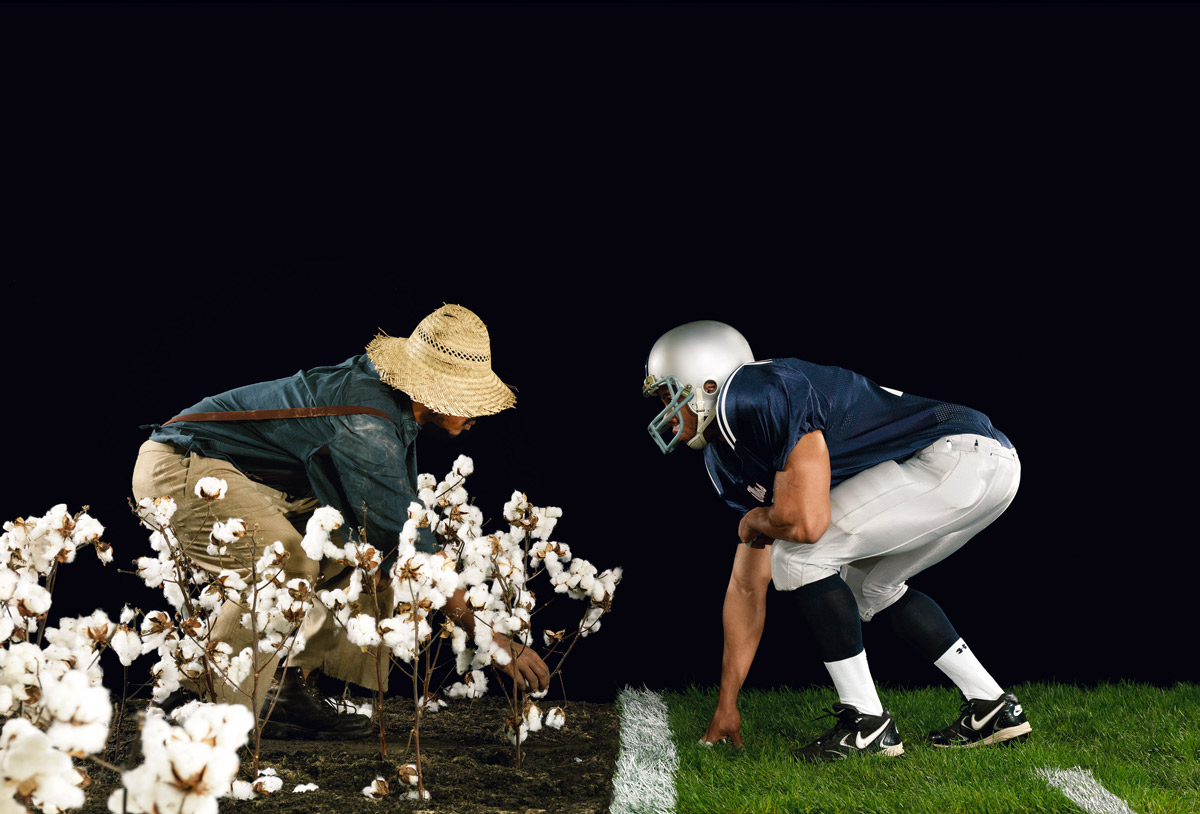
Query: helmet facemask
(679, 396)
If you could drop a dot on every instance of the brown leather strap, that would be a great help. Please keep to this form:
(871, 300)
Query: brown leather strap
(291, 412)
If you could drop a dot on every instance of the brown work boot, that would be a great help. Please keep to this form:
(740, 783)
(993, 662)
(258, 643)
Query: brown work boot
(296, 709)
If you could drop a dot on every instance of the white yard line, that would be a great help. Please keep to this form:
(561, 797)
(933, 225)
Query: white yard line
(644, 782)
(1082, 789)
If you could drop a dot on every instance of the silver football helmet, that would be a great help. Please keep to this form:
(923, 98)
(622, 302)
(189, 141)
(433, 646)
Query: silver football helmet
(684, 360)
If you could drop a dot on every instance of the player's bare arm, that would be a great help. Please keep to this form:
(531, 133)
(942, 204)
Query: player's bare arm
(743, 616)
(800, 512)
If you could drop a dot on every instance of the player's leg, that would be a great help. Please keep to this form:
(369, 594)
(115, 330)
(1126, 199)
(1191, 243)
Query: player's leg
(829, 609)
(880, 585)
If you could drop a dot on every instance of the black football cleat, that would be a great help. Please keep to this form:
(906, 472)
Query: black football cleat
(981, 722)
(854, 734)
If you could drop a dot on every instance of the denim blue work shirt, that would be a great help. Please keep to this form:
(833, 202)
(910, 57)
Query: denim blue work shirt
(345, 461)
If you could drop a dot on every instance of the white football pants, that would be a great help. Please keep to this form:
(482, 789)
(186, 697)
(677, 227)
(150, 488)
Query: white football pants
(895, 520)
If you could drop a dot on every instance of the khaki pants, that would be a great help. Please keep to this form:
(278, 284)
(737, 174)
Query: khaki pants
(162, 470)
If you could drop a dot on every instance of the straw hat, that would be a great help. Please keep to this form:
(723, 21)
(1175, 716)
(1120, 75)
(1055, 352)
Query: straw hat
(446, 364)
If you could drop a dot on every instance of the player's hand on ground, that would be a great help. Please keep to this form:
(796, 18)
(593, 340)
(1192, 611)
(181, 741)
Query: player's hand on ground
(526, 665)
(726, 725)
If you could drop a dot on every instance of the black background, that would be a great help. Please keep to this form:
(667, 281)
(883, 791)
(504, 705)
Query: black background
(982, 204)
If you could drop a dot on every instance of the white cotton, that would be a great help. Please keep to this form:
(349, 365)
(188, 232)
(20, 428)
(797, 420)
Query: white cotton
(303, 787)
(33, 598)
(473, 685)
(516, 733)
(152, 570)
(239, 790)
(533, 717)
(9, 580)
(74, 699)
(555, 718)
(431, 704)
(157, 510)
(240, 666)
(317, 542)
(418, 794)
(87, 530)
(409, 773)
(463, 465)
(127, 644)
(29, 760)
(166, 678)
(362, 630)
(377, 790)
(268, 782)
(272, 557)
(173, 593)
(211, 488)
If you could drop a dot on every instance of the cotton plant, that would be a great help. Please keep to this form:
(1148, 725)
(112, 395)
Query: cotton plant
(273, 607)
(495, 571)
(190, 762)
(51, 687)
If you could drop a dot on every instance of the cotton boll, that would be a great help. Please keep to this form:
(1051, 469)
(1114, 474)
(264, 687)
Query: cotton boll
(32, 599)
(516, 732)
(268, 782)
(418, 794)
(362, 630)
(30, 762)
(87, 530)
(166, 678)
(377, 790)
(211, 488)
(239, 790)
(463, 465)
(127, 644)
(473, 685)
(317, 542)
(303, 787)
(80, 711)
(273, 556)
(555, 718)
(409, 774)
(157, 511)
(533, 716)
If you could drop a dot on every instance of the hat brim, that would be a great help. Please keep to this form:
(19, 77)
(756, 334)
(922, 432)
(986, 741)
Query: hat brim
(443, 388)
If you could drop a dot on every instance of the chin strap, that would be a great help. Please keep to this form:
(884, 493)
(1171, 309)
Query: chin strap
(698, 440)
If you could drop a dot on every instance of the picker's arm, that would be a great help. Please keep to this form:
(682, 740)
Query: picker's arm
(526, 663)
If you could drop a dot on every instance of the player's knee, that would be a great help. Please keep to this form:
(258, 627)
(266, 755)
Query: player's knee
(874, 597)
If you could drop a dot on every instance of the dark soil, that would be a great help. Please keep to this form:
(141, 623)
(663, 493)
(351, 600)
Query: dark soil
(469, 766)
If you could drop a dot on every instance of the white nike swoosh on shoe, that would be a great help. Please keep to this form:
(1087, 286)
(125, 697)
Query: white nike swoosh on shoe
(978, 723)
(862, 743)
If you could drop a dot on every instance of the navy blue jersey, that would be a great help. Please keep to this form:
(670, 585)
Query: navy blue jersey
(765, 407)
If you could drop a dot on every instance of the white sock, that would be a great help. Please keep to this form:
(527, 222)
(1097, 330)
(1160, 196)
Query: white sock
(961, 666)
(852, 680)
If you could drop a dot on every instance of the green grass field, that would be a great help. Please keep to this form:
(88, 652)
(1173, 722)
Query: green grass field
(1141, 743)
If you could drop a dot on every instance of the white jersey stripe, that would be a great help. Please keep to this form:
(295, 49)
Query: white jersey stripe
(722, 421)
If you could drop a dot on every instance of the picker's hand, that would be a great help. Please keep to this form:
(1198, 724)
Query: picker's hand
(526, 665)
(725, 725)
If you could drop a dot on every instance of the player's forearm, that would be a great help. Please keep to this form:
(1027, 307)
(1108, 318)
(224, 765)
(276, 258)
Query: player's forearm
(771, 521)
(743, 617)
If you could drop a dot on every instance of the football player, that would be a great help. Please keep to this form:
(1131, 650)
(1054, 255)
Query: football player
(845, 490)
